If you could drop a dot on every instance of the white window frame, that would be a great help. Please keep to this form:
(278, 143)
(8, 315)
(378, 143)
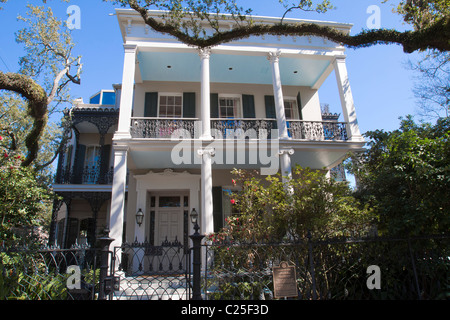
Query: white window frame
(169, 94)
(239, 109)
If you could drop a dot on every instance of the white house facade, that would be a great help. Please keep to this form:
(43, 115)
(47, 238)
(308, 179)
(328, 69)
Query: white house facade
(183, 118)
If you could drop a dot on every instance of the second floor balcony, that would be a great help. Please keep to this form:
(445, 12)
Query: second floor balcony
(263, 128)
(89, 175)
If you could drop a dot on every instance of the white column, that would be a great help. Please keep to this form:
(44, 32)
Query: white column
(118, 196)
(205, 94)
(126, 97)
(348, 105)
(286, 166)
(274, 58)
(206, 220)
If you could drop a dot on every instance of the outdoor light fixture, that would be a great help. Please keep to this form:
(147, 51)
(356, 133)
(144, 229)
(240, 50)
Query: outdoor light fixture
(139, 217)
(194, 217)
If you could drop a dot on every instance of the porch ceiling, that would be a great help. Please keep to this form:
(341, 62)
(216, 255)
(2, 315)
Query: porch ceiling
(228, 68)
(315, 155)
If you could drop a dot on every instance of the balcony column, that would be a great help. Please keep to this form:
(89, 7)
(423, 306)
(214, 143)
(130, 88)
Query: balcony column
(118, 195)
(286, 167)
(206, 221)
(204, 54)
(126, 97)
(274, 58)
(347, 103)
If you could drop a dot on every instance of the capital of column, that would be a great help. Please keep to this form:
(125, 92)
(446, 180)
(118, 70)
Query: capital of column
(130, 48)
(204, 53)
(340, 58)
(274, 56)
(286, 151)
(206, 152)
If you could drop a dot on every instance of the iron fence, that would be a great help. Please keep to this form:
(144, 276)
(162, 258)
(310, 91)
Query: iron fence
(47, 273)
(337, 269)
(331, 269)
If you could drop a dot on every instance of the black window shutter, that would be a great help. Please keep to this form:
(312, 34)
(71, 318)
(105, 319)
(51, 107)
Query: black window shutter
(217, 208)
(214, 105)
(248, 106)
(104, 163)
(72, 232)
(270, 107)
(189, 104)
(151, 104)
(299, 104)
(79, 164)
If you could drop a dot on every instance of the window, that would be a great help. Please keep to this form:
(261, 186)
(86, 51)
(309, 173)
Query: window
(91, 170)
(290, 109)
(92, 158)
(229, 107)
(170, 105)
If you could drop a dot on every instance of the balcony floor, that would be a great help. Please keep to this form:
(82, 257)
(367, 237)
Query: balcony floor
(254, 154)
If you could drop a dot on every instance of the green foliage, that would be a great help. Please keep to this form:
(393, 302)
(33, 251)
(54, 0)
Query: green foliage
(271, 209)
(24, 199)
(405, 177)
(422, 14)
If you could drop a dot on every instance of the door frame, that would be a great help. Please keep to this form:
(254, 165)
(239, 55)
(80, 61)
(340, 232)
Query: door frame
(167, 181)
(152, 225)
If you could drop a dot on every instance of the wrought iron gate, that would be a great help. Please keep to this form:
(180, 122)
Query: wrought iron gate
(140, 271)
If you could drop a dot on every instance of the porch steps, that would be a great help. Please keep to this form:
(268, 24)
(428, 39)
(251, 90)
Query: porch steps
(152, 288)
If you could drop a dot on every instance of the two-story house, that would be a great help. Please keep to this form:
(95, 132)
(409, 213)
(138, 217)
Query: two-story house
(185, 117)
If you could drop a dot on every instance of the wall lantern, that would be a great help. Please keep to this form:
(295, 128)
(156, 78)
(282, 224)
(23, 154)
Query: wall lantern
(194, 217)
(139, 217)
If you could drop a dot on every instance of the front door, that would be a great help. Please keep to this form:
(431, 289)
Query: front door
(170, 225)
(168, 230)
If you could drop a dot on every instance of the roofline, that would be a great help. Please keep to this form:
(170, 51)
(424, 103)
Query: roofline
(131, 13)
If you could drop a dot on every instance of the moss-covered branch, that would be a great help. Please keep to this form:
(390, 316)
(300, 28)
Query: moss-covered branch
(37, 108)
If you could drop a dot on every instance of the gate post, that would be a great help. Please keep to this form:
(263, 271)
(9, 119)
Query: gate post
(104, 243)
(197, 263)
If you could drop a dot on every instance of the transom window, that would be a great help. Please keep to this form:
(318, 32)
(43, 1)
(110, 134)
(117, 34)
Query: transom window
(170, 106)
(229, 107)
(290, 109)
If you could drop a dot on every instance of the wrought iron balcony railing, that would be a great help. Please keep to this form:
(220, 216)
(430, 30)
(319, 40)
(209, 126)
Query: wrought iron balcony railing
(243, 128)
(317, 130)
(90, 175)
(167, 128)
(164, 128)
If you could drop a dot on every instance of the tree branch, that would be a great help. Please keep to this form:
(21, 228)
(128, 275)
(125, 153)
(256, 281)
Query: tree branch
(37, 108)
(434, 37)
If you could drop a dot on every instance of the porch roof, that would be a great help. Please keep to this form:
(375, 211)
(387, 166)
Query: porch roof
(305, 61)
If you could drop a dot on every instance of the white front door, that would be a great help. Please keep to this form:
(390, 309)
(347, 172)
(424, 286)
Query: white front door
(170, 225)
(168, 217)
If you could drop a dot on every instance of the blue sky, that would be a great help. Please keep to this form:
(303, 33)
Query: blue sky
(380, 81)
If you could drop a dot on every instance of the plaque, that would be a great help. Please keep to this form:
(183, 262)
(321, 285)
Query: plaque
(284, 281)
